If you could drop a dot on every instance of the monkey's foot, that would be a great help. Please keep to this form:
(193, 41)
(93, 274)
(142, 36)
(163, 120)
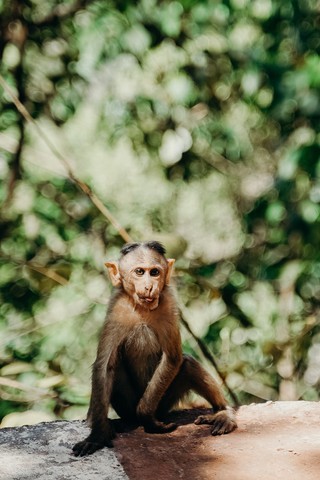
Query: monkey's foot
(222, 422)
(151, 425)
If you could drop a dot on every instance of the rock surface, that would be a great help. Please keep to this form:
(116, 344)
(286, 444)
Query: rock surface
(274, 441)
(43, 452)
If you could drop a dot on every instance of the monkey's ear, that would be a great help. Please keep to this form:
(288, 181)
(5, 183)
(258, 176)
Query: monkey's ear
(114, 273)
(170, 262)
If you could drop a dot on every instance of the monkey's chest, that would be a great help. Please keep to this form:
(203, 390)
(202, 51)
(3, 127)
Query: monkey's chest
(142, 353)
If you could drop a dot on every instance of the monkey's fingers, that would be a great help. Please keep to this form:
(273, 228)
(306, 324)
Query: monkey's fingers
(81, 449)
(222, 422)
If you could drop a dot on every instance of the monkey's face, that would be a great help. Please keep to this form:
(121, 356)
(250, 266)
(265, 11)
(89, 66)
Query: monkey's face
(144, 283)
(142, 273)
(143, 276)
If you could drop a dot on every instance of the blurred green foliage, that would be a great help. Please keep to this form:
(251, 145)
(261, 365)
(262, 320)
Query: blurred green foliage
(196, 123)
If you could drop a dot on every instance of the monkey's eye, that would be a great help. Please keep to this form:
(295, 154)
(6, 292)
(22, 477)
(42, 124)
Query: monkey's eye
(139, 272)
(154, 272)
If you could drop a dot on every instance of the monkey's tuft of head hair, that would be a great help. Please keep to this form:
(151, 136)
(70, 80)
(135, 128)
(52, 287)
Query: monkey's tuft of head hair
(157, 246)
(153, 245)
(129, 247)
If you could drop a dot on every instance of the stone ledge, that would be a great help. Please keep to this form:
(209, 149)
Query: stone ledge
(43, 452)
(275, 440)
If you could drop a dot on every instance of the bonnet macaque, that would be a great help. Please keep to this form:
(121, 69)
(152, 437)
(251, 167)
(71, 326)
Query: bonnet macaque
(140, 369)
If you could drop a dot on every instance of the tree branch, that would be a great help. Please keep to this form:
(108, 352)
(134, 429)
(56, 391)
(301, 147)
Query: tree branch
(83, 186)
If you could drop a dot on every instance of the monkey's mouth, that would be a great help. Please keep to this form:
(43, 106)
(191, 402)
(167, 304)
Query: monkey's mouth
(148, 302)
(146, 299)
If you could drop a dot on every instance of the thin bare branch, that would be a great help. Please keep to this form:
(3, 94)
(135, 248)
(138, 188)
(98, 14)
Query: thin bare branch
(8, 382)
(83, 186)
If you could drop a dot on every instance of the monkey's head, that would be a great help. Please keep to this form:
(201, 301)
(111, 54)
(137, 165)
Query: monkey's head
(142, 271)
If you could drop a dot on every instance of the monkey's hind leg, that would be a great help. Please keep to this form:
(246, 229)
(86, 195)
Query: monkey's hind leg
(223, 418)
(125, 397)
(192, 376)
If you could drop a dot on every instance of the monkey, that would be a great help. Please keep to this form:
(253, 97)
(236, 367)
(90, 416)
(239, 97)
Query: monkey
(140, 369)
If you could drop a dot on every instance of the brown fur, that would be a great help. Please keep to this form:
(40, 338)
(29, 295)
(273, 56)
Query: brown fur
(140, 369)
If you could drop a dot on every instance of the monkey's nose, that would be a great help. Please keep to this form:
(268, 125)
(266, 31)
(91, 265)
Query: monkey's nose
(148, 288)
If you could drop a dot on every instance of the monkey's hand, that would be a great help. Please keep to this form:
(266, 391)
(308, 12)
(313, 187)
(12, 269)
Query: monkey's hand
(151, 425)
(95, 441)
(222, 422)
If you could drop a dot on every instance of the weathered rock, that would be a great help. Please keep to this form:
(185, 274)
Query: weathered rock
(43, 452)
(274, 441)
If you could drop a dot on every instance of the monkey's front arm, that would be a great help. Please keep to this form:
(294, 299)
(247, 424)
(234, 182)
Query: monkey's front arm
(102, 432)
(159, 383)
